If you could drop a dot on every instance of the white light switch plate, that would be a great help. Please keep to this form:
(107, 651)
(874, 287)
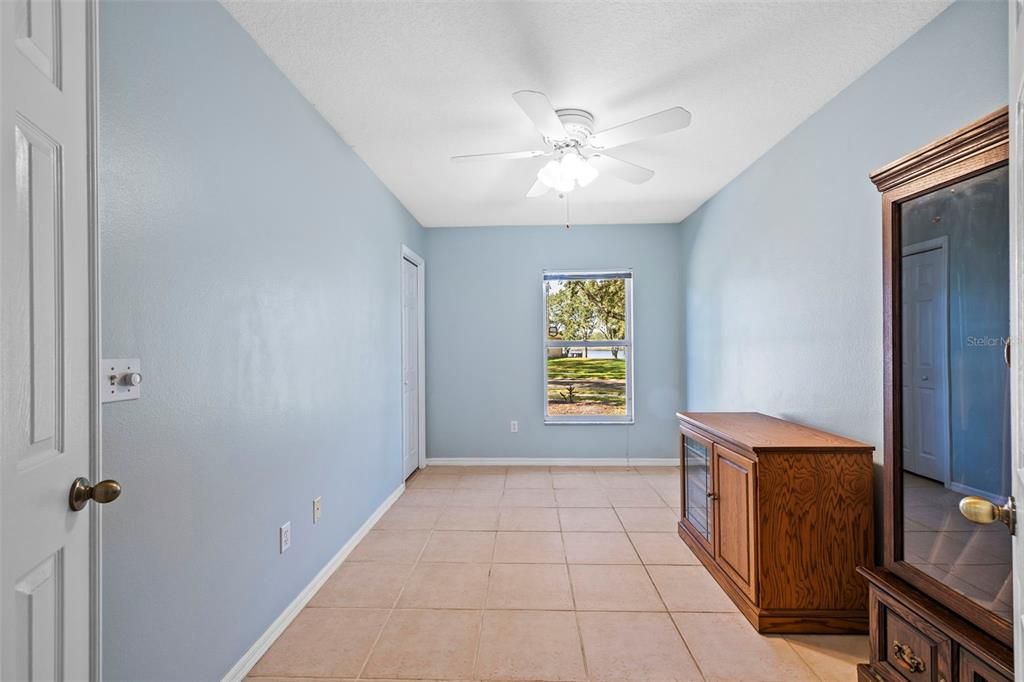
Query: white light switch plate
(115, 379)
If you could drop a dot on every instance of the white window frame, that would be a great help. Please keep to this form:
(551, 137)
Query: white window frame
(627, 343)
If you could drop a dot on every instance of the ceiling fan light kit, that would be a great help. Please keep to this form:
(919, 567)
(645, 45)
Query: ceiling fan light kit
(569, 135)
(565, 174)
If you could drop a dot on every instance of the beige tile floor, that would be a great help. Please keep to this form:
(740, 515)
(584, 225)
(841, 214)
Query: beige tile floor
(973, 559)
(537, 573)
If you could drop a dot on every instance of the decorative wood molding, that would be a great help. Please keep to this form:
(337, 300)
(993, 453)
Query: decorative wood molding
(976, 138)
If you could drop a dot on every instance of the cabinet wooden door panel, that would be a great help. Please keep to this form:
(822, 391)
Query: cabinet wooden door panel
(735, 500)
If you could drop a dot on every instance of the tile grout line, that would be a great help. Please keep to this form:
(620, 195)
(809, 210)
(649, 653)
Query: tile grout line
(394, 605)
(801, 657)
(572, 598)
(475, 671)
(668, 612)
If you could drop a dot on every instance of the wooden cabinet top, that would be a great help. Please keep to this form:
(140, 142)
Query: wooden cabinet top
(759, 433)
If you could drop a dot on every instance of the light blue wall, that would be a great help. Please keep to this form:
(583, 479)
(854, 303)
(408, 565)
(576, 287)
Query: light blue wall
(782, 268)
(251, 261)
(485, 330)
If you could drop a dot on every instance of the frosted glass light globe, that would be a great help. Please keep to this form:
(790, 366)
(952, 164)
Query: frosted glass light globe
(564, 174)
(550, 174)
(586, 173)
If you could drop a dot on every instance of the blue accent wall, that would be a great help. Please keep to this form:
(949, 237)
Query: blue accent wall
(252, 261)
(782, 268)
(485, 335)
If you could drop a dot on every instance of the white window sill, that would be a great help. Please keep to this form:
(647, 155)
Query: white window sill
(590, 422)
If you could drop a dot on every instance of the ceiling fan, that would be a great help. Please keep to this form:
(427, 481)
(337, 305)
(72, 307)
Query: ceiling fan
(579, 152)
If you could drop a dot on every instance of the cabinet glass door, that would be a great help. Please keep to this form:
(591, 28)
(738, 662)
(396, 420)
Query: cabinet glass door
(697, 484)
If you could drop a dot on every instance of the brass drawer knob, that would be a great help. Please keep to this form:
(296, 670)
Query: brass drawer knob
(906, 657)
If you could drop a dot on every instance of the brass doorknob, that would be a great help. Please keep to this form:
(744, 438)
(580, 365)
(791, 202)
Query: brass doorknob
(82, 491)
(979, 510)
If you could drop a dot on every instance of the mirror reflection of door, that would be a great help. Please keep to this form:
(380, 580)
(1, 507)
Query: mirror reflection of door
(955, 390)
(926, 429)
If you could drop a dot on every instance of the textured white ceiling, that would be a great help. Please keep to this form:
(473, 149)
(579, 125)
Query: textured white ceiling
(409, 84)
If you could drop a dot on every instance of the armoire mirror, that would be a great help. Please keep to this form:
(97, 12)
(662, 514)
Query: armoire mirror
(946, 238)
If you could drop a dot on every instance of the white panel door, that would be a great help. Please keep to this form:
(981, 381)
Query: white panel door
(926, 365)
(1016, 98)
(44, 340)
(410, 367)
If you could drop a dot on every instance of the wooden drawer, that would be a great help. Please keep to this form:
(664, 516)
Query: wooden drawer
(906, 647)
(973, 669)
(949, 648)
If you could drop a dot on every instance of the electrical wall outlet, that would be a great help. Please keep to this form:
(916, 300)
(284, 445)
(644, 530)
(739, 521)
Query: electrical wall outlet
(515, 426)
(316, 510)
(286, 537)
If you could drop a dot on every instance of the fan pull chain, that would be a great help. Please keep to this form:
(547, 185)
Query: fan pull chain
(567, 221)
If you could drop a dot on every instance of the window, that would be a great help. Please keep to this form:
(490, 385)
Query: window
(588, 347)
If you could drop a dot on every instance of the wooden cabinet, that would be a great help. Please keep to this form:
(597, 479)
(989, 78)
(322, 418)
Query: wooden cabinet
(781, 515)
(941, 602)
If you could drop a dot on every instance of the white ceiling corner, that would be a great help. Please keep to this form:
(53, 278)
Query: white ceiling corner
(409, 84)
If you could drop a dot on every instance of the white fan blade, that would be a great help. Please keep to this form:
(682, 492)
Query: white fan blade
(630, 172)
(537, 106)
(642, 128)
(538, 189)
(499, 156)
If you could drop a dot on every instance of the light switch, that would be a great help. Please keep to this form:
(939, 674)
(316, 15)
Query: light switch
(120, 379)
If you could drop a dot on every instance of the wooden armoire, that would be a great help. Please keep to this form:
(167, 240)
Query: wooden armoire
(941, 600)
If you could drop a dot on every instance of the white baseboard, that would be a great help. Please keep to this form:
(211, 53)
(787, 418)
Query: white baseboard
(961, 489)
(253, 655)
(555, 461)
(651, 462)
